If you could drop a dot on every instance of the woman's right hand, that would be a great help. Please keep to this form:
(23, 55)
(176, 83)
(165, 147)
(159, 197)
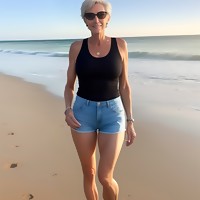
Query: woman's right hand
(71, 120)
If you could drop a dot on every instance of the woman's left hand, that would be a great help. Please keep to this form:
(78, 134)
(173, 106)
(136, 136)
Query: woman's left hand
(130, 133)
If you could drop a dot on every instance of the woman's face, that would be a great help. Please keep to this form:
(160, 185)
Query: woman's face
(97, 25)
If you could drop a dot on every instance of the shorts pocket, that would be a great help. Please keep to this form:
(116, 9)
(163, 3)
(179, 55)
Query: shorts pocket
(116, 106)
(79, 104)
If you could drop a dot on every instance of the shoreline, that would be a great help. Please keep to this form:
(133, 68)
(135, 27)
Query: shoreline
(163, 163)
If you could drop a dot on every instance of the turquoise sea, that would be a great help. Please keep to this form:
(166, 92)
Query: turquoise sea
(154, 47)
(167, 60)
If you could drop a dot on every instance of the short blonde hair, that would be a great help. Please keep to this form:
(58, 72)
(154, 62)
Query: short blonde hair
(87, 4)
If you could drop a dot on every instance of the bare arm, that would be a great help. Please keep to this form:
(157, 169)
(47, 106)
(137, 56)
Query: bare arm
(71, 77)
(125, 91)
(69, 88)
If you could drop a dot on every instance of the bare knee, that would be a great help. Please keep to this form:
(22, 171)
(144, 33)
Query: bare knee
(105, 179)
(89, 173)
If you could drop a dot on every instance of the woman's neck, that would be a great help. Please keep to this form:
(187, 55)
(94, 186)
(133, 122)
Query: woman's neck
(98, 39)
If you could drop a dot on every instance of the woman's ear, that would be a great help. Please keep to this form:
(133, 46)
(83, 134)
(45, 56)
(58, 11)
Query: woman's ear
(108, 18)
(85, 22)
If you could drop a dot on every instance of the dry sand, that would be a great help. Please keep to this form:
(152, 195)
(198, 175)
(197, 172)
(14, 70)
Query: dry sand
(38, 159)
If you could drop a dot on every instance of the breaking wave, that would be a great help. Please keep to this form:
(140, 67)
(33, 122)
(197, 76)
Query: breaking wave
(164, 56)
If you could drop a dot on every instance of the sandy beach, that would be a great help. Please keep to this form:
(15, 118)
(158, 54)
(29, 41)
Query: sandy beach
(38, 159)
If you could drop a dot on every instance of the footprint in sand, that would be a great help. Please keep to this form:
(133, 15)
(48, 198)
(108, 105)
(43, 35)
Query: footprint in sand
(15, 146)
(8, 166)
(13, 165)
(54, 174)
(27, 196)
(11, 133)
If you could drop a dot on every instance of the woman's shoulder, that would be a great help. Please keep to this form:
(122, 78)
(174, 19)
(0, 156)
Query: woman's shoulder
(122, 47)
(121, 43)
(75, 49)
(76, 45)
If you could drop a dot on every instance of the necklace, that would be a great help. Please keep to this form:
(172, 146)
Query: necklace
(98, 53)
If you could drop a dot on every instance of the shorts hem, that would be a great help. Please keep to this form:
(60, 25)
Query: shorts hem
(78, 131)
(112, 133)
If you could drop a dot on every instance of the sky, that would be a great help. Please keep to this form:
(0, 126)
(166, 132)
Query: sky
(60, 19)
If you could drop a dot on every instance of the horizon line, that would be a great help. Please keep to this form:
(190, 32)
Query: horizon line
(51, 39)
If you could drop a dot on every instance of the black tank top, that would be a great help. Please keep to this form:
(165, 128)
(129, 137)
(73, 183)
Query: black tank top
(98, 77)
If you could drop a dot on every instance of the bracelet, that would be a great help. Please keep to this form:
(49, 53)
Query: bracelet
(67, 110)
(130, 120)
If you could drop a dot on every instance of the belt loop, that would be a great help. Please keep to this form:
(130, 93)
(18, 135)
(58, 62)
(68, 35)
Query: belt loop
(88, 101)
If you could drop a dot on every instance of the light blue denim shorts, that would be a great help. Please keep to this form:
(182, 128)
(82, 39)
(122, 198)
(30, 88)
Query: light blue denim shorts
(104, 117)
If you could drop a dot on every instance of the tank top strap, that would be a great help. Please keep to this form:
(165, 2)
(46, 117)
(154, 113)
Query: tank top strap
(114, 42)
(114, 47)
(85, 45)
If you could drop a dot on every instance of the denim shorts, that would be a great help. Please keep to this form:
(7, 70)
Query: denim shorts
(104, 117)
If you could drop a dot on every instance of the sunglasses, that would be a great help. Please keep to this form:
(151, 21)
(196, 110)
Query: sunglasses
(91, 16)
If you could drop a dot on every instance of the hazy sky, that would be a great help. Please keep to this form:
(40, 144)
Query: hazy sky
(48, 19)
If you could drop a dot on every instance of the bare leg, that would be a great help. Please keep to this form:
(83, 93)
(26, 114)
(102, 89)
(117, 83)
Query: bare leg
(86, 145)
(109, 147)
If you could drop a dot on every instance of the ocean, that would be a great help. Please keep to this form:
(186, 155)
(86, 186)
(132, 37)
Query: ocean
(155, 47)
(164, 60)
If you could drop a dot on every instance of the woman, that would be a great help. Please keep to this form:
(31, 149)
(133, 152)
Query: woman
(100, 63)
